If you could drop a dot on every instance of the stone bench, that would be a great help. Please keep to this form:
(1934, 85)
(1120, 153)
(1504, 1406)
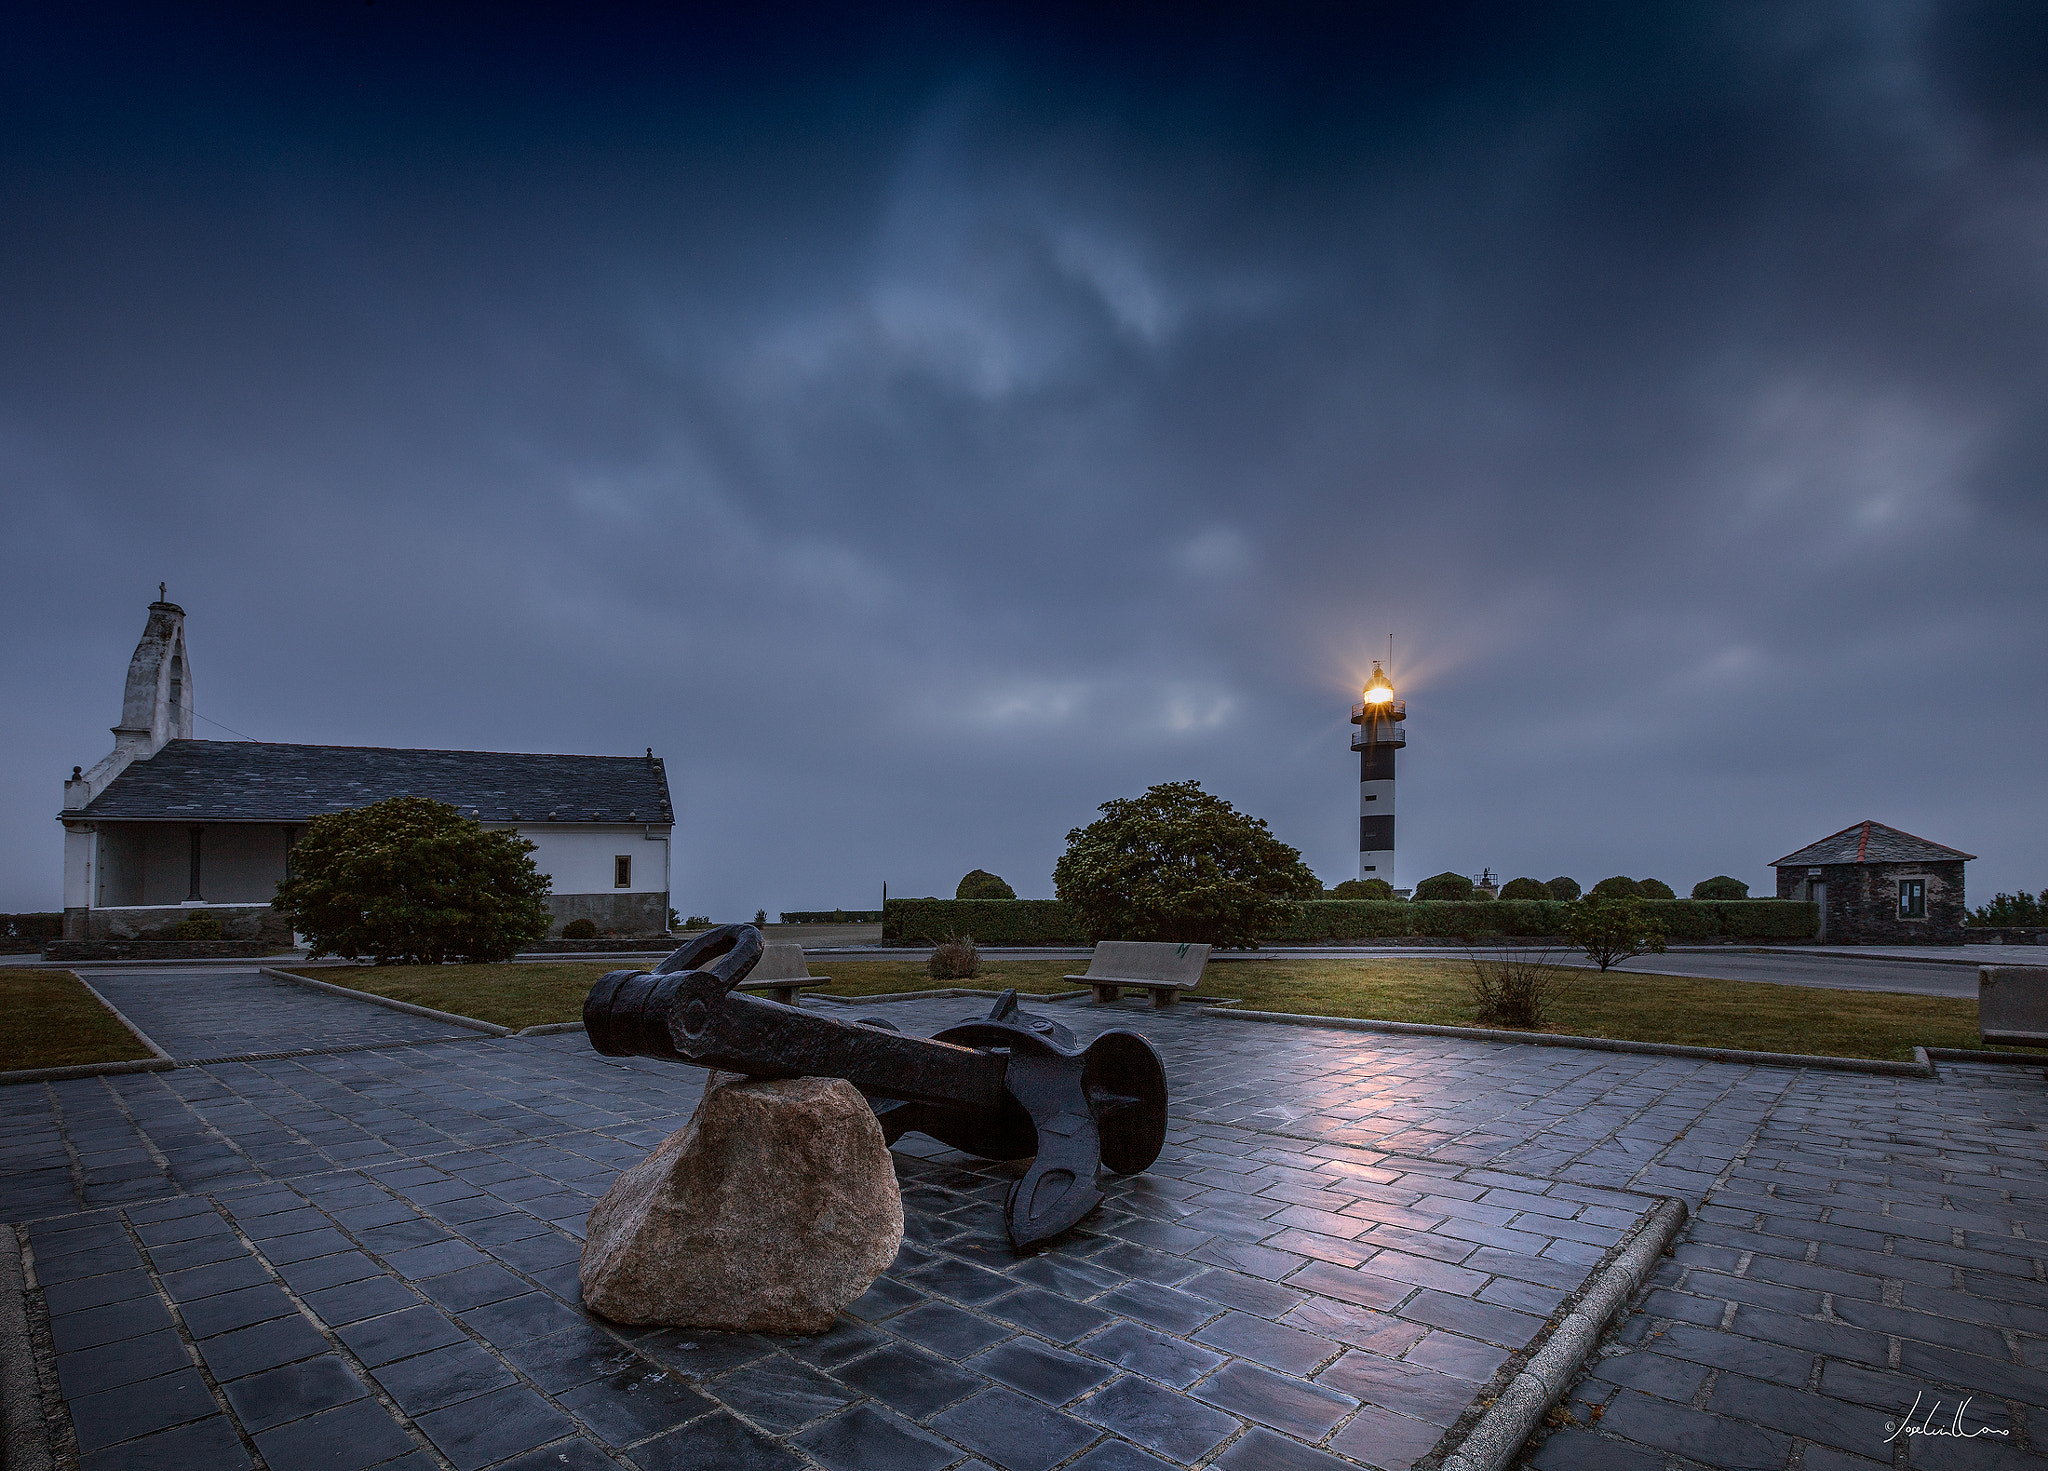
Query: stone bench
(1160, 966)
(2012, 1005)
(781, 973)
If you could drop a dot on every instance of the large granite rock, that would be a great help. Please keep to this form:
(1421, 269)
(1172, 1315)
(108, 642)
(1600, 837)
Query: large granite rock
(771, 1210)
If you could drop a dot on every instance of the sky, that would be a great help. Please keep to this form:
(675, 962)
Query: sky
(922, 424)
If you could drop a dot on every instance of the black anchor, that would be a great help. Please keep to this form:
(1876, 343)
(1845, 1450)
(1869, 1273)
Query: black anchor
(1006, 1086)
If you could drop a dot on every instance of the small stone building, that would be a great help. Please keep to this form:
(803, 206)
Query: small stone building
(1878, 886)
(165, 825)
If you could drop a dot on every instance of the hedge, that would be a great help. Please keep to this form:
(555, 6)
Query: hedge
(1053, 922)
(990, 921)
(831, 916)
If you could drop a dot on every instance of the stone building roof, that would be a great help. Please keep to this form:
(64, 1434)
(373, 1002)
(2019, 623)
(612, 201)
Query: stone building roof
(256, 781)
(1871, 842)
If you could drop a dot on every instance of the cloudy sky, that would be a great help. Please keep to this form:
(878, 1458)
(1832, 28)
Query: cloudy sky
(922, 424)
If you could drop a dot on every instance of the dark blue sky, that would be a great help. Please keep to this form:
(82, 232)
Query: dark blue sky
(921, 425)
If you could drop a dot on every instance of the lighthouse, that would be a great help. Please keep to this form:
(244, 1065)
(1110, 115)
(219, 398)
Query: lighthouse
(1378, 716)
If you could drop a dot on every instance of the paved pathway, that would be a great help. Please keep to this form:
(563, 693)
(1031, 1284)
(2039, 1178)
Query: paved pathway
(368, 1258)
(235, 1011)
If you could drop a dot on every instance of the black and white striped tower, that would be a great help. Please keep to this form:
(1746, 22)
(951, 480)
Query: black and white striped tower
(1378, 716)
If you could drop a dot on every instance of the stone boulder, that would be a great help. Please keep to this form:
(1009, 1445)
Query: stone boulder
(771, 1210)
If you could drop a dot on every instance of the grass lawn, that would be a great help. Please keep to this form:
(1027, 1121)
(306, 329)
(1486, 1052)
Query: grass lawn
(1620, 1004)
(53, 1021)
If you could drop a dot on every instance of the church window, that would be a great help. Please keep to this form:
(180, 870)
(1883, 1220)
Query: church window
(622, 871)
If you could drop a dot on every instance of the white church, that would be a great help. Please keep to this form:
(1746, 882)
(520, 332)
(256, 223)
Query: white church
(166, 825)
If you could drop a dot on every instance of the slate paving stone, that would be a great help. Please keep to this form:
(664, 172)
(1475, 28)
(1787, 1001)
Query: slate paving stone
(1277, 1347)
(125, 1362)
(516, 1319)
(568, 1455)
(1047, 1374)
(211, 1443)
(149, 1405)
(394, 1336)
(1014, 1432)
(1047, 1314)
(353, 1301)
(909, 1381)
(946, 1330)
(1409, 1389)
(779, 1394)
(1118, 1455)
(238, 1309)
(441, 1377)
(561, 1361)
(109, 1323)
(492, 1426)
(722, 1441)
(265, 1346)
(865, 1438)
(317, 1273)
(1305, 1411)
(636, 1402)
(279, 1396)
(1178, 1428)
(1170, 1361)
(350, 1437)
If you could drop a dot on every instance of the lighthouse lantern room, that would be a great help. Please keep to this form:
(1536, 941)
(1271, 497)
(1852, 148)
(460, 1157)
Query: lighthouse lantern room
(1379, 718)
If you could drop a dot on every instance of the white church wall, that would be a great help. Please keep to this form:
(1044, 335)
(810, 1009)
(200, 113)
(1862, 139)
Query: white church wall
(579, 859)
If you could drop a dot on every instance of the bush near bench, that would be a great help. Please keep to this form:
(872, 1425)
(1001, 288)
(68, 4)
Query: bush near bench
(1053, 922)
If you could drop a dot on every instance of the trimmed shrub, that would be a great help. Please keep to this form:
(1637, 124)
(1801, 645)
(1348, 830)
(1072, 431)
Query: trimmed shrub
(580, 929)
(1618, 887)
(1179, 863)
(1563, 889)
(697, 922)
(198, 927)
(981, 884)
(32, 926)
(1342, 921)
(992, 921)
(955, 959)
(1532, 889)
(1362, 889)
(1655, 889)
(1720, 887)
(831, 916)
(1445, 885)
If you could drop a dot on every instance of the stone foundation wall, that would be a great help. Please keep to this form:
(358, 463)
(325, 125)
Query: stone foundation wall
(623, 913)
(160, 949)
(159, 922)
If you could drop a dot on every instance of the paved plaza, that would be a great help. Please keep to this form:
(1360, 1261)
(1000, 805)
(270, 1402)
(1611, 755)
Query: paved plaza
(367, 1257)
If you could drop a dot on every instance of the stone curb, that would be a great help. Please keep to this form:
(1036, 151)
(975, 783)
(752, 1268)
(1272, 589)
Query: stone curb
(26, 1446)
(944, 993)
(490, 1028)
(549, 1029)
(159, 1061)
(1497, 1438)
(1920, 1068)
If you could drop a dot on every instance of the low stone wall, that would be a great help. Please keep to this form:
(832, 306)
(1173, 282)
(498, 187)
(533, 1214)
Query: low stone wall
(604, 945)
(257, 922)
(160, 949)
(2016, 934)
(613, 914)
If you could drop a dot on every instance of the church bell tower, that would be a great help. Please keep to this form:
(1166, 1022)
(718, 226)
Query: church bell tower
(1379, 718)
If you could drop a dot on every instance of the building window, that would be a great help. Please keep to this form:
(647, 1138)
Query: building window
(1912, 898)
(622, 871)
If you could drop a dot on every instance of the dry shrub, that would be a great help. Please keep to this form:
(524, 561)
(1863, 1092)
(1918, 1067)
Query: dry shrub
(1514, 988)
(955, 959)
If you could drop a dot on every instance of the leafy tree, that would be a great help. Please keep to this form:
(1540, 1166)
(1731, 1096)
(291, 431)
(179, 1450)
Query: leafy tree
(1363, 889)
(1618, 887)
(412, 881)
(1524, 889)
(1655, 889)
(1563, 888)
(1179, 863)
(1720, 886)
(1444, 885)
(1609, 930)
(981, 884)
(2012, 909)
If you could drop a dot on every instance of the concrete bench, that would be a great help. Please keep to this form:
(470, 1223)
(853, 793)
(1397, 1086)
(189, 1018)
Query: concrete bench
(1160, 966)
(781, 973)
(2012, 1005)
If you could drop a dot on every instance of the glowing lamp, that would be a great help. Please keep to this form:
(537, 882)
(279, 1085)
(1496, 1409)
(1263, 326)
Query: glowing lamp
(1378, 689)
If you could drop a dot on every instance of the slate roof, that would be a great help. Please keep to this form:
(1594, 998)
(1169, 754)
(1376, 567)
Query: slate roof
(1871, 842)
(256, 781)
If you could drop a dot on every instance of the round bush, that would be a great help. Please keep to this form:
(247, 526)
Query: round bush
(955, 959)
(1654, 889)
(1363, 889)
(1524, 889)
(1563, 889)
(580, 929)
(199, 927)
(1720, 887)
(981, 884)
(1444, 886)
(1617, 887)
